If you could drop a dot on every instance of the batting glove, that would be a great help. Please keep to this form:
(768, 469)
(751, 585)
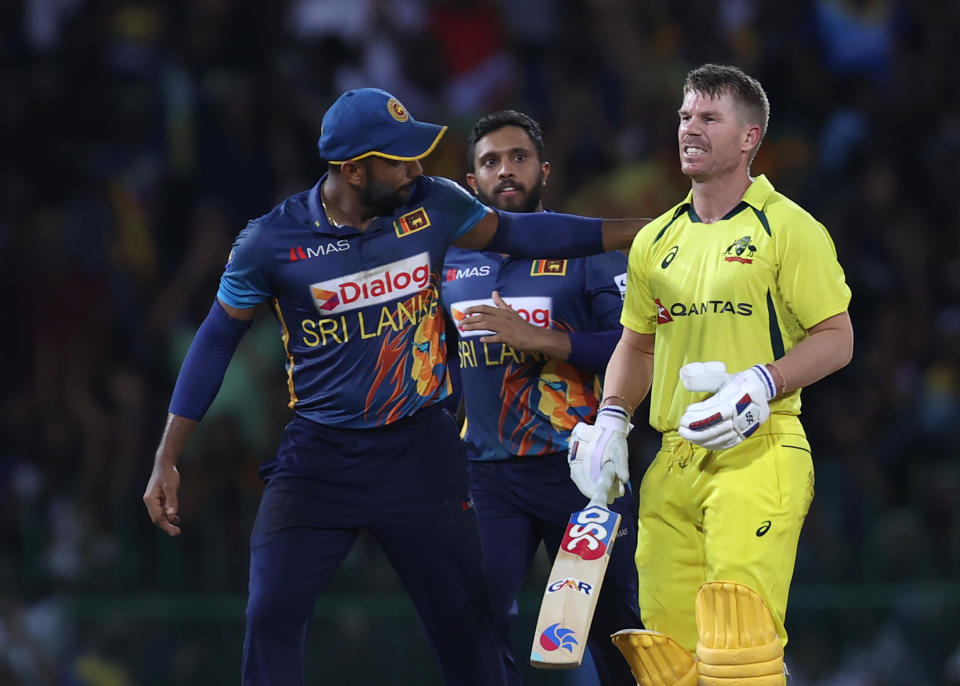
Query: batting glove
(704, 376)
(592, 446)
(736, 410)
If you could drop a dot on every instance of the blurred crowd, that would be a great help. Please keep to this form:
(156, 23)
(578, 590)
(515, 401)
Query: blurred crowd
(138, 136)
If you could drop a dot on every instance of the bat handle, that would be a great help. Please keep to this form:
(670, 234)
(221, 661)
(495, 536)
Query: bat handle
(604, 484)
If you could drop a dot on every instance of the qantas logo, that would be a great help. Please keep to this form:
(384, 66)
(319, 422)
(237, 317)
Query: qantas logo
(663, 317)
(453, 274)
(393, 281)
(666, 314)
(533, 310)
(298, 252)
(586, 536)
(570, 584)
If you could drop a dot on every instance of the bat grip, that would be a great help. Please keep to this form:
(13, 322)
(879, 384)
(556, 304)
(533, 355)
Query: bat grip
(603, 485)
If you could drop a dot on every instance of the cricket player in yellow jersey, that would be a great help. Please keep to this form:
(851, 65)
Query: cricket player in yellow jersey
(735, 301)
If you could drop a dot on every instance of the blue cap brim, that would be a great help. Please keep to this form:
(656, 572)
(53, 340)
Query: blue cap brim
(418, 141)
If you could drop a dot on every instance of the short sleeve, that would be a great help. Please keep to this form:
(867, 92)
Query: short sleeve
(605, 284)
(639, 309)
(811, 279)
(245, 280)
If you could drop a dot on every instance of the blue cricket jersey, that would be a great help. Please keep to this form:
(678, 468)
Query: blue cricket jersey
(526, 403)
(358, 310)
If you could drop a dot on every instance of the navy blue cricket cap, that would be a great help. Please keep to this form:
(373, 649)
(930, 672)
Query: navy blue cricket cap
(370, 121)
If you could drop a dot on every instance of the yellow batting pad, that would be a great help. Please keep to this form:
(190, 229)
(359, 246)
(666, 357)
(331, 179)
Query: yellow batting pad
(738, 645)
(656, 659)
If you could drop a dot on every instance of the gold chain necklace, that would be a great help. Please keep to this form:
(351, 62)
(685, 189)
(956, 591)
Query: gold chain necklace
(333, 222)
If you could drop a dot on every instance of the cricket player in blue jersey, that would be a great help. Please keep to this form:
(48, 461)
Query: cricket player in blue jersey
(350, 269)
(533, 336)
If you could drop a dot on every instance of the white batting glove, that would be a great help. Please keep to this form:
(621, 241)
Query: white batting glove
(704, 376)
(733, 413)
(592, 446)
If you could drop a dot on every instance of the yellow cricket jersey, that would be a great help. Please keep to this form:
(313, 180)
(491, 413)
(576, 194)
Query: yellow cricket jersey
(743, 290)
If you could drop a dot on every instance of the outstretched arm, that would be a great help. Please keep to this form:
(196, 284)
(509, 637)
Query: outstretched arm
(549, 234)
(200, 377)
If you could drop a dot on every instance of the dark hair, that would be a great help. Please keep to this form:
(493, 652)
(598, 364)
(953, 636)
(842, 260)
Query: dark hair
(498, 120)
(713, 80)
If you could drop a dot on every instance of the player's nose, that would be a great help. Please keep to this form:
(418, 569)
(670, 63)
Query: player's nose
(414, 169)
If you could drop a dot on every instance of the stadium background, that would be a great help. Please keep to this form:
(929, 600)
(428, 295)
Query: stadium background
(137, 136)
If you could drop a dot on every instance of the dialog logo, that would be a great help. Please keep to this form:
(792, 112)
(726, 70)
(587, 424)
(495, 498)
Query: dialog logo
(400, 279)
(534, 310)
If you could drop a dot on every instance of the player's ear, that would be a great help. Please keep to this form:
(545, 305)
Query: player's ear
(751, 138)
(472, 182)
(354, 173)
(545, 169)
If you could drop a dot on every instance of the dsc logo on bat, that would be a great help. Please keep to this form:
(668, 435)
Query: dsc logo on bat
(586, 536)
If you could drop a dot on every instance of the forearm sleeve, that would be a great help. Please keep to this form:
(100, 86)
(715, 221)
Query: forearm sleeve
(592, 351)
(206, 363)
(546, 234)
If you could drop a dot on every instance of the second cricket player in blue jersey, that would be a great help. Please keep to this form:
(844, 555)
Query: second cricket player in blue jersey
(519, 402)
(533, 337)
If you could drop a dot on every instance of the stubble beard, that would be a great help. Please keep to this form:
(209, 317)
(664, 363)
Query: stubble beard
(528, 202)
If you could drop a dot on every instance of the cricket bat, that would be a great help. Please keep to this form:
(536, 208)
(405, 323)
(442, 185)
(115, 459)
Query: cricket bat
(570, 598)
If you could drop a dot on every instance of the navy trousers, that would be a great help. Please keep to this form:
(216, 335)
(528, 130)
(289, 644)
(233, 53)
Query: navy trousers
(525, 500)
(407, 485)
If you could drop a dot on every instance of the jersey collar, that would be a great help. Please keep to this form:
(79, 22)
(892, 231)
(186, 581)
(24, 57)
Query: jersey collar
(320, 223)
(318, 218)
(755, 196)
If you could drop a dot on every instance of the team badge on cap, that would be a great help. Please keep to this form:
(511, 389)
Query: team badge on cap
(396, 110)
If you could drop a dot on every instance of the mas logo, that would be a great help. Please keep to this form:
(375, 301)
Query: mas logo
(298, 253)
(548, 268)
(453, 273)
(393, 281)
(736, 250)
(411, 222)
(534, 310)
(586, 536)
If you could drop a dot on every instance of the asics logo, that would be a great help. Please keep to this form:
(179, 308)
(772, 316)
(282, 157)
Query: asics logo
(669, 258)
